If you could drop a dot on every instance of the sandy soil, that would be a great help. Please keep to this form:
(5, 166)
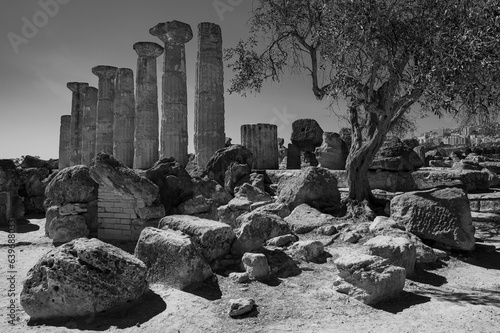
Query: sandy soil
(462, 294)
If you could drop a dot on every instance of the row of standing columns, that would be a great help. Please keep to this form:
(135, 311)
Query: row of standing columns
(114, 120)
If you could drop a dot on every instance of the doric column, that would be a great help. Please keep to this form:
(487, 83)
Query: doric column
(105, 108)
(77, 88)
(262, 141)
(89, 124)
(146, 105)
(174, 127)
(209, 94)
(64, 142)
(123, 125)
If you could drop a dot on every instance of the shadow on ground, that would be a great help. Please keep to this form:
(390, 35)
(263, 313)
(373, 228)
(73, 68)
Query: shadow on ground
(475, 297)
(404, 301)
(23, 226)
(208, 289)
(426, 277)
(141, 311)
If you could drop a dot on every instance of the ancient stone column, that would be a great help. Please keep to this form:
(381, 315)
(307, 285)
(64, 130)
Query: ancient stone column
(174, 128)
(146, 105)
(89, 125)
(77, 88)
(262, 141)
(105, 108)
(123, 125)
(209, 94)
(64, 142)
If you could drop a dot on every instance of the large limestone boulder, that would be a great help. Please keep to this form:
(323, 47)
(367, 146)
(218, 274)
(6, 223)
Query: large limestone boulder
(229, 213)
(222, 159)
(33, 162)
(400, 251)
(171, 258)
(279, 209)
(441, 215)
(251, 193)
(306, 134)
(332, 154)
(314, 186)
(367, 278)
(304, 219)
(234, 173)
(109, 172)
(212, 239)
(306, 250)
(256, 228)
(63, 229)
(394, 155)
(210, 189)
(33, 182)
(174, 183)
(71, 185)
(81, 278)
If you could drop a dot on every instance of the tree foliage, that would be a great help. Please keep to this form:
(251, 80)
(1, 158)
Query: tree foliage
(382, 57)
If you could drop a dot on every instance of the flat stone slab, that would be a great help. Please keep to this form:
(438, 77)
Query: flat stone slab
(485, 202)
(213, 239)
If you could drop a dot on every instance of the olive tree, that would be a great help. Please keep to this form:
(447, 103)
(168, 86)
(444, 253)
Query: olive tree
(385, 58)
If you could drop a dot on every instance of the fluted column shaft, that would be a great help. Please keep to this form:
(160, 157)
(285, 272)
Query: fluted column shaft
(105, 108)
(262, 141)
(124, 117)
(77, 88)
(209, 133)
(64, 141)
(146, 135)
(174, 125)
(89, 125)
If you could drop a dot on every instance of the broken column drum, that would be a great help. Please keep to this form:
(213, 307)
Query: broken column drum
(262, 141)
(64, 141)
(146, 133)
(89, 125)
(77, 88)
(105, 108)
(209, 133)
(123, 125)
(174, 124)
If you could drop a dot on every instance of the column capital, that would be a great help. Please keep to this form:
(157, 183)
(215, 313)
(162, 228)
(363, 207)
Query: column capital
(173, 32)
(105, 72)
(77, 86)
(148, 49)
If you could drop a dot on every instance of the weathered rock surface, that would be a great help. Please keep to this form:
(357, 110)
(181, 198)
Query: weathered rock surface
(304, 219)
(314, 186)
(174, 183)
(240, 306)
(171, 258)
(368, 278)
(80, 278)
(255, 264)
(306, 250)
(394, 155)
(332, 154)
(251, 193)
(212, 239)
(275, 208)
(222, 159)
(256, 228)
(64, 229)
(210, 189)
(34, 162)
(71, 185)
(398, 250)
(234, 173)
(235, 208)
(107, 171)
(282, 241)
(441, 215)
(306, 134)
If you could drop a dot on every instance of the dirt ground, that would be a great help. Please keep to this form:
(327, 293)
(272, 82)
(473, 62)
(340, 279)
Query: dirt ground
(461, 294)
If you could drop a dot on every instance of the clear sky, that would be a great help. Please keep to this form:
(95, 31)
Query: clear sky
(76, 35)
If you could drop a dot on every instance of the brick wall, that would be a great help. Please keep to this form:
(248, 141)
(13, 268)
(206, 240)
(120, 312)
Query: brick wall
(116, 215)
